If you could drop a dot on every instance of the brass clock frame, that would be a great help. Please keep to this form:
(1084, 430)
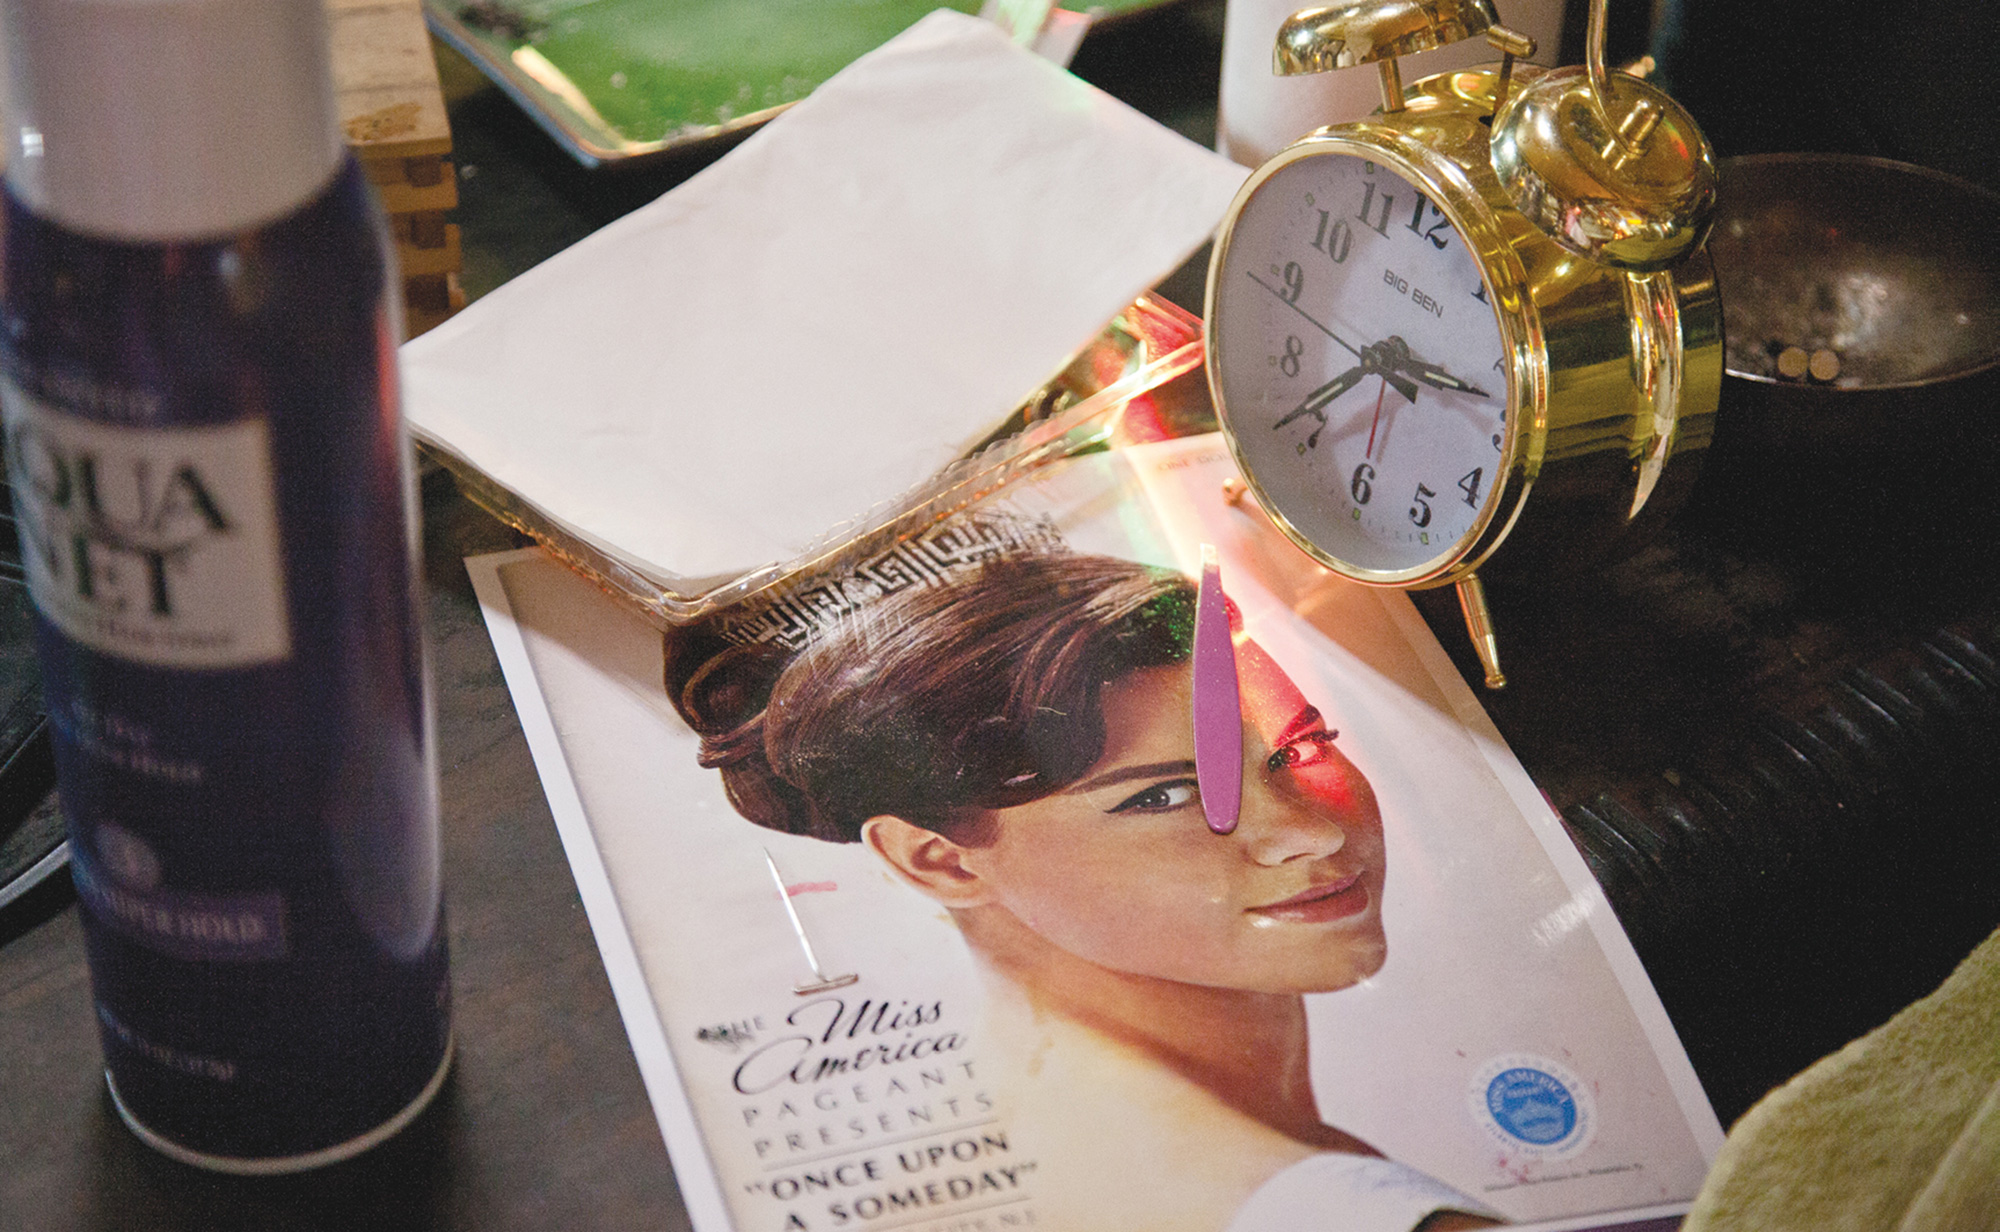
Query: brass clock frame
(1611, 373)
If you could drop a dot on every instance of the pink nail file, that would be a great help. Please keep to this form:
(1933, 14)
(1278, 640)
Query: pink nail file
(1218, 711)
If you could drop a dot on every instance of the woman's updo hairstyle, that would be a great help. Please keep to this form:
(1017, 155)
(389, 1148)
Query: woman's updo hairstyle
(934, 703)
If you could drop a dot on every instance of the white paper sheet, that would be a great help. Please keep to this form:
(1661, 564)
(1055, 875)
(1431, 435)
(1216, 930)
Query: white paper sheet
(827, 315)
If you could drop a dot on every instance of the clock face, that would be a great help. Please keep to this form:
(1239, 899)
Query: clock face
(1360, 365)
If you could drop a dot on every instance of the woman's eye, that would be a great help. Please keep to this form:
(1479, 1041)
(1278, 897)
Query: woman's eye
(1309, 749)
(1159, 798)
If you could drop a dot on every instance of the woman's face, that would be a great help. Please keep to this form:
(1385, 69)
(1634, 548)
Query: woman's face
(1121, 868)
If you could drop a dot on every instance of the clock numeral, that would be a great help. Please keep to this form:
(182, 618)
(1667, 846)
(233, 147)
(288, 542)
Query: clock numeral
(1380, 227)
(1363, 485)
(1469, 484)
(1288, 363)
(1295, 282)
(1335, 237)
(1430, 233)
(1479, 293)
(1420, 513)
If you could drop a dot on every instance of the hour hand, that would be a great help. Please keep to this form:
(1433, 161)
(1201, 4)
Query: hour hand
(1441, 380)
(1397, 358)
(1393, 355)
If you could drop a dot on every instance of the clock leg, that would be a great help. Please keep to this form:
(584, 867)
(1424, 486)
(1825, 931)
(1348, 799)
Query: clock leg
(1479, 624)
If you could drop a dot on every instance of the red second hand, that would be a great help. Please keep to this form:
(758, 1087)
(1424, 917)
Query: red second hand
(1370, 452)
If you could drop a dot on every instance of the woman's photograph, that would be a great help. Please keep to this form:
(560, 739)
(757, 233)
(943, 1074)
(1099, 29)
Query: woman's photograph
(915, 914)
(1016, 744)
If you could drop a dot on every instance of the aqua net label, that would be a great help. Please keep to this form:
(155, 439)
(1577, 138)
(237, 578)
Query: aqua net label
(155, 544)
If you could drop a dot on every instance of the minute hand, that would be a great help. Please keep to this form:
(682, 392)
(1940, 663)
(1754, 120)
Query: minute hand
(1316, 401)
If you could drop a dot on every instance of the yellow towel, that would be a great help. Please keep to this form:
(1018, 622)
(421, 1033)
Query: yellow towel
(1897, 1132)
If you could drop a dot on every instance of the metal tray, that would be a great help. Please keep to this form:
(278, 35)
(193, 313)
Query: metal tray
(619, 80)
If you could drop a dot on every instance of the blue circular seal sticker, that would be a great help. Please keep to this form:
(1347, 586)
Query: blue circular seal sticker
(1533, 1106)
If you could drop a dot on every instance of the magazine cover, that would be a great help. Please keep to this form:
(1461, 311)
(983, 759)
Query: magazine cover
(905, 888)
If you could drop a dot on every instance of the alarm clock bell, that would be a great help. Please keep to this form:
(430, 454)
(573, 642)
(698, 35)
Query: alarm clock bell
(1493, 289)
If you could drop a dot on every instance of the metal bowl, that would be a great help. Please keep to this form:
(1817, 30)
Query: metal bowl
(1895, 269)
(1885, 278)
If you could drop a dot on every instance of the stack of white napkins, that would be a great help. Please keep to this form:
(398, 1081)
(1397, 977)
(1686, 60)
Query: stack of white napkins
(826, 316)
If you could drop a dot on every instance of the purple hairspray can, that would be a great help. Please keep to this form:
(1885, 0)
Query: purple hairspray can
(214, 491)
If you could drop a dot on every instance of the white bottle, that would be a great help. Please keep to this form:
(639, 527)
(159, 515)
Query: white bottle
(1260, 112)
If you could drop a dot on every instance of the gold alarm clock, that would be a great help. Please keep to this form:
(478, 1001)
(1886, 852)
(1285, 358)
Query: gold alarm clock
(1476, 331)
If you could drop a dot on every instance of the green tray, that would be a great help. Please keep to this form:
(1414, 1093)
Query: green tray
(615, 80)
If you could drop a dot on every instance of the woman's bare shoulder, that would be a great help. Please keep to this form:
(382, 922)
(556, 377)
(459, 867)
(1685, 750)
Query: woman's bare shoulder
(1370, 1194)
